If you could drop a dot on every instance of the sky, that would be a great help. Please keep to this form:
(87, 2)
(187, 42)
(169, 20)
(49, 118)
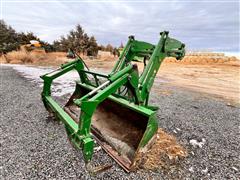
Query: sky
(211, 25)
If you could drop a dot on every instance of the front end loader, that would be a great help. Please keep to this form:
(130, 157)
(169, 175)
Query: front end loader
(113, 109)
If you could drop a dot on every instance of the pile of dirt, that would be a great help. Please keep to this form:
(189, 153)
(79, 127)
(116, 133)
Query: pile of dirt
(165, 153)
(204, 60)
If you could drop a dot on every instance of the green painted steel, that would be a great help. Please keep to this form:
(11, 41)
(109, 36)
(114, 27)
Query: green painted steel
(135, 94)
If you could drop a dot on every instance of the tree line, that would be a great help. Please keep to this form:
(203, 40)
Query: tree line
(76, 40)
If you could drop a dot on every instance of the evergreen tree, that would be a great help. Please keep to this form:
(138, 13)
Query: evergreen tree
(8, 38)
(92, 49)
(78, 41)
(101, 47)
(121, 45)
(109, 48)
(85, 43)
(116, 52)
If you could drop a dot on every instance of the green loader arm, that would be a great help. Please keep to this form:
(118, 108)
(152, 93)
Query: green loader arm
(155, 54)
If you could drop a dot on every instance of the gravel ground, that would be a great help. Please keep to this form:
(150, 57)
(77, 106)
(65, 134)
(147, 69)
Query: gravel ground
(35, 146)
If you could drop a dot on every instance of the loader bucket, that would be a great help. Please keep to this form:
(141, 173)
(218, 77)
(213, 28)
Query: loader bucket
(121, 128)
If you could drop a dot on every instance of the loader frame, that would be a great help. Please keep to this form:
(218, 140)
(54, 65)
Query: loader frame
(124, 74)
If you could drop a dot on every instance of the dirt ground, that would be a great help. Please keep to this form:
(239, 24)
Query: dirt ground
(220, 79)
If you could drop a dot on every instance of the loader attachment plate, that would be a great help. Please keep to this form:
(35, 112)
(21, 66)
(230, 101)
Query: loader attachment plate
(116, 127)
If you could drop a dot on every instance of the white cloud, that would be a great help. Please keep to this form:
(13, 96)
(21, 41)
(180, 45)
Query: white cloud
(203, 25)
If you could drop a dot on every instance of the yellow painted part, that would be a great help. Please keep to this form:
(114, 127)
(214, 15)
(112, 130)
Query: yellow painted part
(37, 45)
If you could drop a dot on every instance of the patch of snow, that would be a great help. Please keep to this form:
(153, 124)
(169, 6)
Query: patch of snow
(171, 157)
(181, 152)
(63, 85)
(195, 143)
(234, 168)
(96, 149)
(205, 171)
(176, 130)
(191, 169)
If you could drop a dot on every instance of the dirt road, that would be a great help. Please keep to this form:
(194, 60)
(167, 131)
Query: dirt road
(34, 146)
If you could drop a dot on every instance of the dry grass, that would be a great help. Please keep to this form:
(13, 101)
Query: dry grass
(19, 56)
(34, 57)
(50, 59)
(164, 153)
